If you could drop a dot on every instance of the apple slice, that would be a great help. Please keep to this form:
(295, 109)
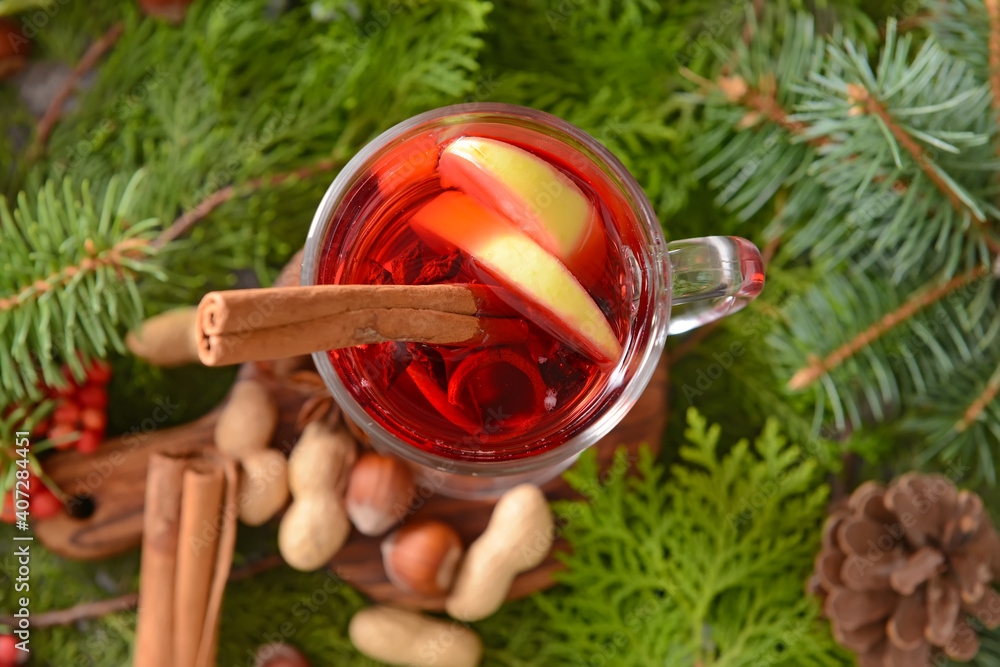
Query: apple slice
(537, 197)
(549, 294)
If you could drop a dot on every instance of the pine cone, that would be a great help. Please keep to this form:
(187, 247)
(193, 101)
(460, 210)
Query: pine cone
(903, 568)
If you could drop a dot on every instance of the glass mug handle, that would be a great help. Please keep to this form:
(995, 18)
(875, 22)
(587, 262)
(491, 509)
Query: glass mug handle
(713, 276)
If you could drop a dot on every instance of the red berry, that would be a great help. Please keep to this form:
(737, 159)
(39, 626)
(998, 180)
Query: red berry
(41, 426)
(99, 371)
(169, 10)
(64, 391)
(14, 48)
(93, 396)
(60, 431)
(89, 442)
(10, 654)
(8, 514)
(68, 375)
(44, 503)
(93, 419)
(67, 413)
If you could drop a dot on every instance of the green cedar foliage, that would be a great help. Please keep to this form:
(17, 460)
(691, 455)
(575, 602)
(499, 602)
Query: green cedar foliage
(706, 566)
(878, 171)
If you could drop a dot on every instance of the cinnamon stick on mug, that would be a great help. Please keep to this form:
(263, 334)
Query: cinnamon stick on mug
(273, 323)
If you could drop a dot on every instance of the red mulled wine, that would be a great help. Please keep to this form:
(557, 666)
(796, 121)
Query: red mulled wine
(517, 213)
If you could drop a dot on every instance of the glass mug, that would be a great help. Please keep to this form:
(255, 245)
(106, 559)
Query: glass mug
(478, 440)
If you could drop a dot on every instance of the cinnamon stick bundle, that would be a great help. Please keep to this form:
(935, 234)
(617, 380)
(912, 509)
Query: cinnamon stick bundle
(189, 534)
(274, 323)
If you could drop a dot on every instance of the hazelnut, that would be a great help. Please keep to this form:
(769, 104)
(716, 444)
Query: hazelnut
(422, 557)
(379, 493)
(279, 655)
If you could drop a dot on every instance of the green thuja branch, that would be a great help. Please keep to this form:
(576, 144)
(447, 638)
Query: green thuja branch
(702, 566)
(68, 283)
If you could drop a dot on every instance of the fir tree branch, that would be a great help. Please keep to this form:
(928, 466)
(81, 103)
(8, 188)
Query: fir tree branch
(922, 299)
(864, 100)
(190, 218)
(760, 102)
(69, 284)
(111, 258)
(979, 404)
(750, 27)
(87, 62)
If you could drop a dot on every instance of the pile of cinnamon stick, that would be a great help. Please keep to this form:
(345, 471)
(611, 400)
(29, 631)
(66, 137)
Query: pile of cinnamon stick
(189, 534)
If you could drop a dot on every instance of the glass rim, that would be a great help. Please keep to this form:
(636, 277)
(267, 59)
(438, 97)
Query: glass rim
(647, 358)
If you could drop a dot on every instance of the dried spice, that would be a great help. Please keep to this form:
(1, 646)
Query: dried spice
(438, 398)
(564, 371)
(388, 361)
(319, 403)
(407, 266)
(440, 269)
(378, 274)
(903, 568)
(431, 361)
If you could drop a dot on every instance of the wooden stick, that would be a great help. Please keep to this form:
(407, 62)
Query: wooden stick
(98, 608)
(161, 527)
(87, 62)
(190, 218)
